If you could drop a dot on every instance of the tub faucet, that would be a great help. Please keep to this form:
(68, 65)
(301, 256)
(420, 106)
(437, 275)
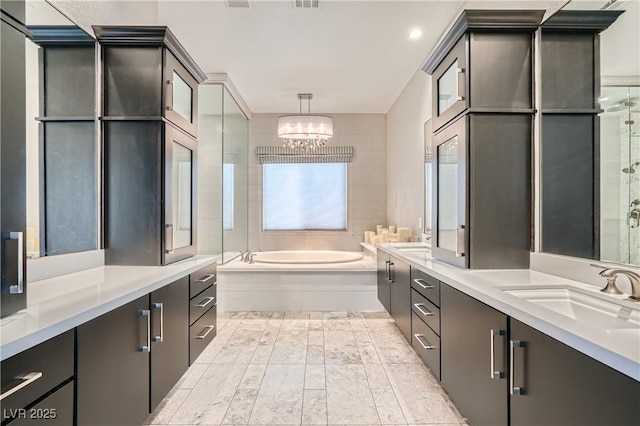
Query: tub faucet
(612, 273)
(248, 257)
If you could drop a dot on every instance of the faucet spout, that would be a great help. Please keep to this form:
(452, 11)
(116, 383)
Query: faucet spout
(611, 274)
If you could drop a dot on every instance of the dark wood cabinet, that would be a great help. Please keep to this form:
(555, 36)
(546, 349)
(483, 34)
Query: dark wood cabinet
(112, 370)
(202, 310)
(400, 292)
(384, 287)
(150, 148)
(169, 356)
(554, 384)
(474, 357)
(55, 409)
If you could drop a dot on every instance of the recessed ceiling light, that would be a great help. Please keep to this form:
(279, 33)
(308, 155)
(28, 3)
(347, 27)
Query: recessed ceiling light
(415, 33)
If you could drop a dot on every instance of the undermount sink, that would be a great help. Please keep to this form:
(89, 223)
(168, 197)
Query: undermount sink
(584, 307)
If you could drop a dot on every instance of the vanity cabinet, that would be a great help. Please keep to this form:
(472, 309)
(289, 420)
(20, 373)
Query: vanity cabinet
(202, 310)
(474, 358)
(112, 371)
(44, 371)
(425, 319)
(394, 290)
(150, 148)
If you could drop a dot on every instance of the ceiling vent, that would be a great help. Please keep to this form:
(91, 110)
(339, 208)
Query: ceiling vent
(238, 3)
(306, 4)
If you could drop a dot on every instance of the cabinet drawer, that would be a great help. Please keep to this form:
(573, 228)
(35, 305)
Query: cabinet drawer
(202, 303)
(201, 333)
(202, 279)
(56, 409)
(48, 364)
(426, 285)
(426, 343)
(426, 311)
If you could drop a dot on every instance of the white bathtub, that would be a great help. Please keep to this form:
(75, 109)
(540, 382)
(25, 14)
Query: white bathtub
(295, 280)
(306, 257)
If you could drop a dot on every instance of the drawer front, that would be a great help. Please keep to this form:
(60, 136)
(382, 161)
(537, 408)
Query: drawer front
(56, 409)
(426, 343)
(202, 303)
(202, 279)
(201, 333)
(36, 371)
(426, 311)
(426, 285)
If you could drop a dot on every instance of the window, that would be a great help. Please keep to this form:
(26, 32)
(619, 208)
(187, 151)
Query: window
(227, 196)
(305, 196)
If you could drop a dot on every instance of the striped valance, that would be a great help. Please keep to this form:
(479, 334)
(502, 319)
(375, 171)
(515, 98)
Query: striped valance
(325, 154)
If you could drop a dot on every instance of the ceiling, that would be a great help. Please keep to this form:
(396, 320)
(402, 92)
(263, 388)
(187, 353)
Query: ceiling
(354, 56)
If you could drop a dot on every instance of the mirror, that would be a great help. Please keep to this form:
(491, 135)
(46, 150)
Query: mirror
(615, 169)
(62, 149)
(428, 192)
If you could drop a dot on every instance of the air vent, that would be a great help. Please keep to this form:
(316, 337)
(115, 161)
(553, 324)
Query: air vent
(238, 3)
(306, 4)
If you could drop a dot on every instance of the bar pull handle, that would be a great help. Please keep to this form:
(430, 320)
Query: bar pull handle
(427, 346)
(386, 271)
(205, 278)
(25, 380)
(461, 84)
(204, 302)
(207, 330)
(146, 313)
(425, 311)
(160, 306)
(495, 374)
(460, 241)
(422, 283)
(18, 287)
(514, 390)
(390, 272)
(168, 238)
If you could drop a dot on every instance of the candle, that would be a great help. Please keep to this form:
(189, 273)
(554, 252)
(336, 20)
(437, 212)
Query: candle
(392, 229)
(375, 240)
(379, 229)
(404, 234)
(384, 237)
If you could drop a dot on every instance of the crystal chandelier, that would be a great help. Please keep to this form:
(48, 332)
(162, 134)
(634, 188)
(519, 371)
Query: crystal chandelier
(305, 132)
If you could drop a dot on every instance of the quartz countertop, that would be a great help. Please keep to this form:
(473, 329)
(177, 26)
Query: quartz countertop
(619, 349)
(59, 304)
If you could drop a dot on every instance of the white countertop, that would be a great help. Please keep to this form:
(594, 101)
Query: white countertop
(59, 304)
(619, 350)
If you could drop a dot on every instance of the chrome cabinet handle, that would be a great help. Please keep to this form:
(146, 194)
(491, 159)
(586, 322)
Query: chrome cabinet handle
(205, 278)
(460, 88)
(168, 238)
(204, 302)
(160, 306)
(460, 236)
(427, 346)
(422, 283)
(425, 312)
(514, 390)
(25, 380)
(390, 271)
(18, 287)
(146, 313)
(386, 271)
(207, 331)
(495, 374)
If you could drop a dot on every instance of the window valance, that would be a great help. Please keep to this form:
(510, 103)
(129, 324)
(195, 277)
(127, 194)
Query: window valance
(325, 154)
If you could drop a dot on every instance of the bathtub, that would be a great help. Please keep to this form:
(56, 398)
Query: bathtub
(306, 257)
(299, 280)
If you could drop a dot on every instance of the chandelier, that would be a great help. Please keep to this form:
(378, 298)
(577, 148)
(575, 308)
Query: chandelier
(305, 132)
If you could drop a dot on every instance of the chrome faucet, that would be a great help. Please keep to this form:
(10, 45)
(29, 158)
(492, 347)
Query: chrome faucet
(612, 273)
(248, 256)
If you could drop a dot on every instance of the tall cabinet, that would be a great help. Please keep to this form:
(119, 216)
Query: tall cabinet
(482, 79)
(150, 137)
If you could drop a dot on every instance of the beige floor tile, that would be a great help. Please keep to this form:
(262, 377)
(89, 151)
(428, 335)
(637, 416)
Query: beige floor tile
(316, 315)
(376, 376)
(422, 401)
(290, 347)
(366, 347)
(294, 324)
(340, 348)
(357, 324)
(265, 346)
(315, 354)
(316, 338)
(280, 397)
(191, 377)
(392, 348)
(240, 347)
(239, 410)
(314, 377)
(168, 407)
(297, 315)
(314, 408)
(388, 408)
(252, 378)
(315, 325)
(336, 324)
(335, 315)
(349, 399)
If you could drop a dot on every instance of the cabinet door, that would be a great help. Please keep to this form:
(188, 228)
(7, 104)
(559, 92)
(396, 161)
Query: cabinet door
(474, 361)
(450, 194)
(400, 289)
(170, 337)
(55, 409)
(12, 169)
(554, 384)
(384, 290)
(179, 238)
(450, 83)
(180, 95)
(112, 372)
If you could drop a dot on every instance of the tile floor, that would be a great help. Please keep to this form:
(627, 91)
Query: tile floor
(307, 368)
